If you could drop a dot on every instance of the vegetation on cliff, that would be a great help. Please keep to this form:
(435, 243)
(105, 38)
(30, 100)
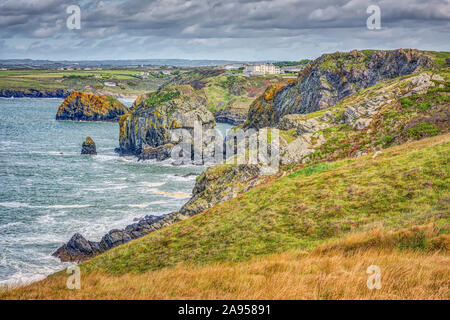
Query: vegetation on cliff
(90, 107)
(332, 77)
(225, 92)
(153, 117)
(391, 209)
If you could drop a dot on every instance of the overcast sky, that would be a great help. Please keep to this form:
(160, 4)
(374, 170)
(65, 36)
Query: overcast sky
(217, 29)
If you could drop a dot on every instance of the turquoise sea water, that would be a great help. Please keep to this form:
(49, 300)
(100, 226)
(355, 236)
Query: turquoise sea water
(48, 191)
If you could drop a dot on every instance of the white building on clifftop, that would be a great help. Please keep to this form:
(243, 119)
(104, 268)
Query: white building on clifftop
(259, 68)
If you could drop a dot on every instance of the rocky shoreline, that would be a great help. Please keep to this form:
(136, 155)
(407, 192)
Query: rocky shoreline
(215, 185)
(33, 93)
(58, 93)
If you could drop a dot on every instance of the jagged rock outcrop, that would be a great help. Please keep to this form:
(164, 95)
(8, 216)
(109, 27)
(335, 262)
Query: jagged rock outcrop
(159, 153)
(360, 112)
(89, 147)
(300, 148)
(301, 125)
(220, 183)
(153, 118)
(329, 79)
(82, 106)
(79, 249)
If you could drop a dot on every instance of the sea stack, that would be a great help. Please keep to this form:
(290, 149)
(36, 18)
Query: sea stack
(80, 106)
(88, 147)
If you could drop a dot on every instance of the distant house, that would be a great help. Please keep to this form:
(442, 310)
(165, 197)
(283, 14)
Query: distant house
(110, 84)
(261, 68)
(3, 69)
(97, 76)
(290, 69)
(144, 75)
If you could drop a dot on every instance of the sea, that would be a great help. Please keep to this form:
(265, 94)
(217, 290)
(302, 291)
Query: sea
(49, 191)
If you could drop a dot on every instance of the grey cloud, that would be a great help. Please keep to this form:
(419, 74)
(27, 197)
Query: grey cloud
(221, 27)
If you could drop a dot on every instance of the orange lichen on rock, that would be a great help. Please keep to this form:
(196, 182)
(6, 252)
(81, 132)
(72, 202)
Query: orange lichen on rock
(271, 91)
(90, 107)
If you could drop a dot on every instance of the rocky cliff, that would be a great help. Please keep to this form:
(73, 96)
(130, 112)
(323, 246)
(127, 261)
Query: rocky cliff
(154, 116)
(330, 78)
(82, 106)
(393, 112)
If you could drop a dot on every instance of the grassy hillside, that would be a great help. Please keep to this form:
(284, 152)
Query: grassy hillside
(128, 81)
(405, 274)
(404, 186)
(226, 91)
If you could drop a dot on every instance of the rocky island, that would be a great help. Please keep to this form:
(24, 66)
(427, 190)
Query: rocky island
(89, 147)
(80, 106)
(146, 131)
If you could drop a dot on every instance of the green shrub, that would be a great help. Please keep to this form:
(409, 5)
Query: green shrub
(386, 141)
(313, 169)
(424, 129)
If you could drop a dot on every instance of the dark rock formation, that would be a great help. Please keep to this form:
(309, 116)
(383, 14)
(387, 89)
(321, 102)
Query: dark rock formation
(32, 93)
(90, 107)
(329, 79)
(230, 117)
(88, 147)
(159, 153)
(218, 184)
(155, 116)
(79, 249)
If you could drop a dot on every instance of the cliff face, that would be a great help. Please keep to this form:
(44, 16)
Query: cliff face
(154, 116)
(329, 79)
(90, 107)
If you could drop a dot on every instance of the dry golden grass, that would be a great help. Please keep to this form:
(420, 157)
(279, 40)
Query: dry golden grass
(329, 272)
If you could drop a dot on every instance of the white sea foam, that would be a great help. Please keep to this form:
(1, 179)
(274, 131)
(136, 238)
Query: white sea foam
(14, 204)
(146, 204)
(176, 195)
(101, 189)
(182, 178)
(11, 224)
(153, 184)
(68, 206)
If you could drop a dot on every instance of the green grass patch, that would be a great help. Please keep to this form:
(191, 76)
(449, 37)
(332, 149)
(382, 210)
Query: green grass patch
(320, 167)
(424, 129)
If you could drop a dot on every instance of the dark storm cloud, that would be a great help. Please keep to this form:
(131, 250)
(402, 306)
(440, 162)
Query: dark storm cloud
(205, 27)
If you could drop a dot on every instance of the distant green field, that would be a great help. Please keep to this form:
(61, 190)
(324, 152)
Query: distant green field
(127, 81)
